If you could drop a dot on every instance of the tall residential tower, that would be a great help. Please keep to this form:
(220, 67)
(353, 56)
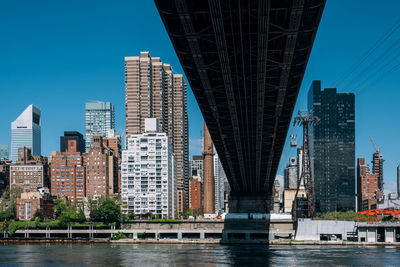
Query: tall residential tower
(333, 148)
(152, 90)
(26, 132)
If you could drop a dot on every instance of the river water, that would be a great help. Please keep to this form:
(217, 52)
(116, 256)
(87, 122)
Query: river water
(194, 255)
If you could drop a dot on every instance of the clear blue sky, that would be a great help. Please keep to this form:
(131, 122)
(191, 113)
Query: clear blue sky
(59, 54)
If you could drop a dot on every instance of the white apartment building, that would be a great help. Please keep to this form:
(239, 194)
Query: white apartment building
(219, 180)
(148, 174)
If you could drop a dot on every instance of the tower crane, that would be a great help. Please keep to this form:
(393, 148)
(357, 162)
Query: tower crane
(377, 148)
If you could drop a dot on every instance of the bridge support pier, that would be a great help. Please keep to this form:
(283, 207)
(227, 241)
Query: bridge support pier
(249, 203)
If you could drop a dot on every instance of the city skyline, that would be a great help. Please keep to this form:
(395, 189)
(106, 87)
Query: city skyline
(179, 132)
(98, 74)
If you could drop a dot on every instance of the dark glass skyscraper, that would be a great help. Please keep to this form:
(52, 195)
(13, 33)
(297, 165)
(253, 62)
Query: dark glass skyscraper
(333, 148)
(72, 135)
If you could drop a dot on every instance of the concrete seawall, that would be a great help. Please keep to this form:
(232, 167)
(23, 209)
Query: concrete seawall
(199, 241)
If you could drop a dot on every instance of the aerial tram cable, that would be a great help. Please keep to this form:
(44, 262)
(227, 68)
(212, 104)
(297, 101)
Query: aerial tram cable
(392, 30)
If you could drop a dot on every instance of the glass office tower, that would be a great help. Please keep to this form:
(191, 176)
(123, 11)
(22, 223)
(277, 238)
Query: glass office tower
(99, 118)
(3, 151)
(26, 132)
(333, 148)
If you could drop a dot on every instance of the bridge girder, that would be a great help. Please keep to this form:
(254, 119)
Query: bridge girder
(245, 61)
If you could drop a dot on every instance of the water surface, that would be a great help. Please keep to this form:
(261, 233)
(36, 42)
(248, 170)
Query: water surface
(194, 255)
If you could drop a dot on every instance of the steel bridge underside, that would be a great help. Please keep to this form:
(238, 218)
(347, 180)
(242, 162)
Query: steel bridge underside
(245, 62)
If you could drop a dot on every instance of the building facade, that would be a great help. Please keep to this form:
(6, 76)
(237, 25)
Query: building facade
(28, 177)
(333, 148)
(370, 185)
(31, 202)
(72, 135)
(29, 172)
(196, 195)
(152, 90)
(99, 119)
(196, 166)
(26, 132)
(68, 176)
(4, 152)
(101, 170)
(377, 167)
(220, 179)
(148, 175)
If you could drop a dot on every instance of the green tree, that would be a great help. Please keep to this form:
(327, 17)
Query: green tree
(59, 207)
(81, 218)
(66, 213)
(6, 216)
(131, 215)
(109, 211)
(95, 215)
(38, 215)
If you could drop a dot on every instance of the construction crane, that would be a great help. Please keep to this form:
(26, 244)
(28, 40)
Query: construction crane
(377, 148)
(305, 119)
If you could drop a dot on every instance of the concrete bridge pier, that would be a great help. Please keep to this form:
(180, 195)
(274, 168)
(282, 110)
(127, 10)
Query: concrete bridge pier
(249, 203)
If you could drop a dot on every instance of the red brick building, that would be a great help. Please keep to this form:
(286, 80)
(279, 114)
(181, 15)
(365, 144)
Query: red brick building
(368, 186)
(101, 169)
(30, 202)
(68, 177)
(196, 194)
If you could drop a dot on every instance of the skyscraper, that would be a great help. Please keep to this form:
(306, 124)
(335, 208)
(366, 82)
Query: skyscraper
(26, 132)
(152, 90)
(333, 148)
(3, 151)
(99, 118)
(72, 135)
